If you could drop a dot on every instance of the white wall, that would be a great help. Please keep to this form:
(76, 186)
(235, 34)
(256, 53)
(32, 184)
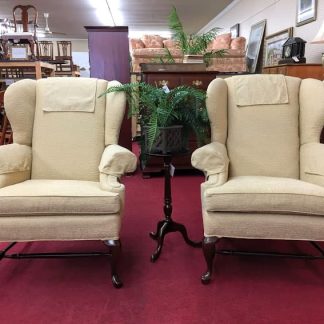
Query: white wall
(280, 14)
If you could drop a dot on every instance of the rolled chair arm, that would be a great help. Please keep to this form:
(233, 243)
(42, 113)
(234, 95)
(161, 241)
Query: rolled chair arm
(117, 160)
(15, 164)
(212, 159)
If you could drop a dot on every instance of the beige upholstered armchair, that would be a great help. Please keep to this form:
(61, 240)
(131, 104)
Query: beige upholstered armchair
(264, 166)
(59, 180)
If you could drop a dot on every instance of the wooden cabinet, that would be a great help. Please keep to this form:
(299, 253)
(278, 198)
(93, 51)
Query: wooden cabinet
(172, 79)
(200, 80)
(303, 71)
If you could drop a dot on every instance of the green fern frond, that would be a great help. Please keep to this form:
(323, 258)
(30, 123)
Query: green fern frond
(176, 27)
(189, 44)
(152, 132)
(167, 57)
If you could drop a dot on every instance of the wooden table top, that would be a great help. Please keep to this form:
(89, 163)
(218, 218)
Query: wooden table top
(19, 63)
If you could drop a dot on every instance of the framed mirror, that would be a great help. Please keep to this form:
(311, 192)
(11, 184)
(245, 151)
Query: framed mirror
(254, 45)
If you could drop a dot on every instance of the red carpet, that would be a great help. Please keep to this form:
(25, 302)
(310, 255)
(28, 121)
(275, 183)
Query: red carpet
(244, 289)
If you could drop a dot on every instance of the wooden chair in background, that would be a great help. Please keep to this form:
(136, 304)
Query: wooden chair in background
(25, 24)
(64, 51)
(45, 50)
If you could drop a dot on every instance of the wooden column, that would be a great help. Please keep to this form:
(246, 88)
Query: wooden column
(109, 60)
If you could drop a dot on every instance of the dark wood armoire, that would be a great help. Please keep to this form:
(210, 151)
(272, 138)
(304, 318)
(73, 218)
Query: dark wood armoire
(109, 60)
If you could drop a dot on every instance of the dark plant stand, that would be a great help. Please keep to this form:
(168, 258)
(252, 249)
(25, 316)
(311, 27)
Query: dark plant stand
(168, 225)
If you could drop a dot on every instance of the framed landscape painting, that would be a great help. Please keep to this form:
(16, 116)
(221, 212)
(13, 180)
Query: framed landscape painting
(273, 46)
(306, 11)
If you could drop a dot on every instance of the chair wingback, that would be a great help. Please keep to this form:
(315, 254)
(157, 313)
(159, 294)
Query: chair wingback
(262, 138)
(19, 103)
(64, 121)
(311, 110)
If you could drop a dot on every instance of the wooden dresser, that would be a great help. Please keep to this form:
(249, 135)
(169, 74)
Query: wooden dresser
(172, 79)
(200, 80)
(303, 71)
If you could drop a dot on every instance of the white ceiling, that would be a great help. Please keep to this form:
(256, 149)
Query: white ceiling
(70, 16)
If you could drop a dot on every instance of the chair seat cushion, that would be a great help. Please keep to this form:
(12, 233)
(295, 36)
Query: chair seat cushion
(260, 194)
(57, 197)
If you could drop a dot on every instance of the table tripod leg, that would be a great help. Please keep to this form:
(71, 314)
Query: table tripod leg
(160, 240)
(181, 228)
(155, 235)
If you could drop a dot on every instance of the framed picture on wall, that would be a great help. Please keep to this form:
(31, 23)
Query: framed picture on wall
(273, 46)
(306, 11)
(18, 52)
(254, 45)
(235, 31)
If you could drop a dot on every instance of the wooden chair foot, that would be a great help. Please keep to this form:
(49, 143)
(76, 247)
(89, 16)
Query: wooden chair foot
(209, 249)
(117, 283)
(115, 249)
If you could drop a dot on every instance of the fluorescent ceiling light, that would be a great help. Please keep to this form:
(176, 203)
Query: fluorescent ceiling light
(115, 11)
(103, 12)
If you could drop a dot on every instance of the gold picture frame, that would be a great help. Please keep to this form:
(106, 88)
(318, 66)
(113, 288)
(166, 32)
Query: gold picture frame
(273, 46)
(18, 52)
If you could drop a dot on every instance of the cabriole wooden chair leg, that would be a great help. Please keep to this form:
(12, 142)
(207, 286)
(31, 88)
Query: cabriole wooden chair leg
(115, 249)
(209, 249)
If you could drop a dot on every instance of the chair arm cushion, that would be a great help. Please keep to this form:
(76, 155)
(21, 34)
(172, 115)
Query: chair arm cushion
(117, 160)
(15, 158)
(15, 164)
(211, 158)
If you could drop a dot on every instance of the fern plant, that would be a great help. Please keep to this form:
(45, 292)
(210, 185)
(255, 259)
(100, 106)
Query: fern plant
(193, 44)
(161, 107)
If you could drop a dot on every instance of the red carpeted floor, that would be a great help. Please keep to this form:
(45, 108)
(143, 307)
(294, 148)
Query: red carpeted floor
(244, 289)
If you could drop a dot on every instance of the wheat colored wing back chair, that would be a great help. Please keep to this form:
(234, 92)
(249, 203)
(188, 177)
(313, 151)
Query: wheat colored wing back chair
(60, 179)
(264, 166)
